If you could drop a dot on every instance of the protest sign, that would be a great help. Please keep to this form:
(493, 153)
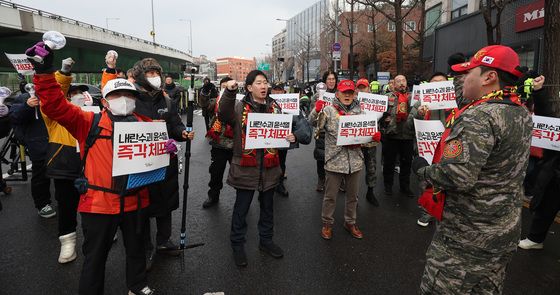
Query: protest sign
(546, 133)
(428, 134)
(21, 64)
(289, 102)
(438, 95)
(328, 98)
(139, 147)
(373, 103)
(356, 129)
(267, 130)
(415, 95)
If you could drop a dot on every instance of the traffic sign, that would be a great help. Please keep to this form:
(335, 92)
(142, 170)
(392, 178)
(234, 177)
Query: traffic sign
(263, 67)
(336, 55)
(336, 47)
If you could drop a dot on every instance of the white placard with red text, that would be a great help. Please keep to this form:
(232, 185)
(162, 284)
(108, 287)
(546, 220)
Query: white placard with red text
(21, 63)
(438, 95)
(139, 147)
(546, 133)
(428, 134)
(415, 95)
(356, 129)
(289, 102)
(267, 130)
(373, 103)
(328, 97)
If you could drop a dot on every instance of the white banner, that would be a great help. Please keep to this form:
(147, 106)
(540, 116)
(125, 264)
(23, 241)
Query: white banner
(415, 95)
(428, 134)
(356, 129)
(21, 63)
(289, 102)
(546, 133)
(328, 98)
(139, 147)
(438, 95)
(267, 131)
(373, 103)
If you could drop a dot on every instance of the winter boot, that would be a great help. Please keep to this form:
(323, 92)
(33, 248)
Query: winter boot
(67, 248)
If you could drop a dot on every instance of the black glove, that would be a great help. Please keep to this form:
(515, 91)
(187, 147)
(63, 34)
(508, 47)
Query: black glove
(41, 50)
(417, 163)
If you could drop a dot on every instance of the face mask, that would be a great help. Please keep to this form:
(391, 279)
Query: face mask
(122, 106)
(78, 99)
(154, 81)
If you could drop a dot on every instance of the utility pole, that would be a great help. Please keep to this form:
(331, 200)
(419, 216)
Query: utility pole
(153, 32)
(336, 33)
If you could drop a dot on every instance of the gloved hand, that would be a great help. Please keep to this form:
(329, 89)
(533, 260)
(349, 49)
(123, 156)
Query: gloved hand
(417, 163)
(66, 67)
(3, 110)
(377, 137)
(319, 105)
(39, 49)
(111, 59)
(171, 147)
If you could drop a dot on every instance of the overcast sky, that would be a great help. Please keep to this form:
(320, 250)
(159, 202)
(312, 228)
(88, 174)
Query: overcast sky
(220, 27)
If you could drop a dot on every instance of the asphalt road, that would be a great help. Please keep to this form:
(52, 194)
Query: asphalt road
(389, 260)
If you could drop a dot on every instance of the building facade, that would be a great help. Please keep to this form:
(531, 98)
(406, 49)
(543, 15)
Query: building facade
(279, 55)
(458, 26)
(235, 67)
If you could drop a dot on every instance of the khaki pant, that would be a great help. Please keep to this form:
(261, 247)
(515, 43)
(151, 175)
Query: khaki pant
(332, 185)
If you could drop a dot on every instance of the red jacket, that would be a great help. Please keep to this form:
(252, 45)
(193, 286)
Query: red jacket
(99, 163)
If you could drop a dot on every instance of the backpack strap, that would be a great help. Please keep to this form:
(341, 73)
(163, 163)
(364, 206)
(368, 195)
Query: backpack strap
(92, 136)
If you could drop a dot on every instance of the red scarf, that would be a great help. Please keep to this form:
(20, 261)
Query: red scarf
(216, 129)
(249, 157)
(402, 107)
(433, 199)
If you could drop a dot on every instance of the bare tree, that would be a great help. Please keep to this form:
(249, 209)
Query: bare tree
(397, 15)
(551, 61)
(493, 20)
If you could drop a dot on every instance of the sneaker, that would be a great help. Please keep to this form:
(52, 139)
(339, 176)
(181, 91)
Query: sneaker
(353, 230)
(326, 231)
(370, 197)
(398, 169)
(67, 248)
(281, 189)
(424, 220)
(272, 250)
(210, 202)
(47, 211)
(530, 245)
(240, 257)
(168, 248)
(145, 291)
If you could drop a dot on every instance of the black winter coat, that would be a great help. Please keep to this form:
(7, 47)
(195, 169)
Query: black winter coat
(164, 195)
(30, 128)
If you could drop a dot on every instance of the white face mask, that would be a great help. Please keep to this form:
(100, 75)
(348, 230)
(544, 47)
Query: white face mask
(122, 106)
(154, 81)
(78, 99)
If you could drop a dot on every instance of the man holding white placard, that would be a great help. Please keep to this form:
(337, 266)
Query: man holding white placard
(344, 162)
(254, 168)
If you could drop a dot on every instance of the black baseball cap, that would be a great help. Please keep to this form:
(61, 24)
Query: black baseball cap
(278, 85)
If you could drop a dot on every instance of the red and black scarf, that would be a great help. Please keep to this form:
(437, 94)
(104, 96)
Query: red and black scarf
(249, 156)
(402, 107)
(216, 129)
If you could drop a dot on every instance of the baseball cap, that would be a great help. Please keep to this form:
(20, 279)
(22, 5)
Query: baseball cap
(278, 85)
(346, 85)
(74, 87)
(495, 56)
(362, 82)
(118, 84)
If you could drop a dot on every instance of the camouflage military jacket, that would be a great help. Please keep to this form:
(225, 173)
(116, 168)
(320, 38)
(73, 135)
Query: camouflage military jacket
(340, 159)
(482, 170)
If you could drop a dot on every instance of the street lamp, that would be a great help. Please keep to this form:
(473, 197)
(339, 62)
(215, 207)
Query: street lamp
(107, 21)
(153, 32)
(190, 33)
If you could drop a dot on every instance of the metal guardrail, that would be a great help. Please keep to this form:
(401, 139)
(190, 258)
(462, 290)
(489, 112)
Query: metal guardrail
(82, 24)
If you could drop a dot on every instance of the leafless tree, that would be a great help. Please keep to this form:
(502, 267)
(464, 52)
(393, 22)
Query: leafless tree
(551, 61)
(492, 13)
